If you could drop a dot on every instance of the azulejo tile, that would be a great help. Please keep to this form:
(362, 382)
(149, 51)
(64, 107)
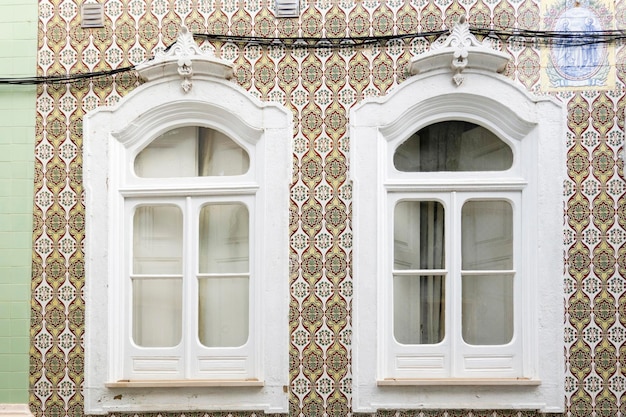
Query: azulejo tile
(320, 86)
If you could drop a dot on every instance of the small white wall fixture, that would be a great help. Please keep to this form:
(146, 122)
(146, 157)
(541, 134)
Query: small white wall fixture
(459, 80)
(186, 87)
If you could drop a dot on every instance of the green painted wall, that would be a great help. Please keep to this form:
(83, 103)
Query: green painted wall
(18, 49)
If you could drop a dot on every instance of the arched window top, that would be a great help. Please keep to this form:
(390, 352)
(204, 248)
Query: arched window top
(192, 151)
(455, 146)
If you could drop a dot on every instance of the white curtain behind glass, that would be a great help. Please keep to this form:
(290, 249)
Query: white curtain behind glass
(453, 146)
(419, 297)
(486, 230)
(224, 275)
(222, 251)
(157, 275)
(191, 152)
(487, 263)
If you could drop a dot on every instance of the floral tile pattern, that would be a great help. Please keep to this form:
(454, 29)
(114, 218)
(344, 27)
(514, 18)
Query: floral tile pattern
(319, 86)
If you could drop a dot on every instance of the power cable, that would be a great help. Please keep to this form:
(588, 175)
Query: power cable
(547, 38)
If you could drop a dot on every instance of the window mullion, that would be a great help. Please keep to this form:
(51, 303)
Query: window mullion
(189, 268)
(454, 283)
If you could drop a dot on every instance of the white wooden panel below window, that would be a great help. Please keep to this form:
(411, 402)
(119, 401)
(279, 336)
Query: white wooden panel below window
(416, 363)
(219, 364)
(155, 365)
(489, 363)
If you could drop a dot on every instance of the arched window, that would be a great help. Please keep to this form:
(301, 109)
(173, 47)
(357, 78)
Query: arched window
(187, 193)
(457, 256)
(192, 151)
(434, 232)
(453, 145)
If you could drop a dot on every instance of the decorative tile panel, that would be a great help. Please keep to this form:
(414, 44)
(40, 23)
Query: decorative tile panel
(320, 86)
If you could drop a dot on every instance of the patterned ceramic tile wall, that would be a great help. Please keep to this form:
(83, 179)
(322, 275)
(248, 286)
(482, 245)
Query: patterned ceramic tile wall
(319, 86)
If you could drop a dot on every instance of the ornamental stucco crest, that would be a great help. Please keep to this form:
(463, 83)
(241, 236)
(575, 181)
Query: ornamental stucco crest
(458, 51)
(184, 48)
(460, 39)
(185, 59)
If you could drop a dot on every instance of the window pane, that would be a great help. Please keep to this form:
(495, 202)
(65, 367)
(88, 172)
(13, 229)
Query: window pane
(223, 311)
(157, 240)
(157, 312)
(419, 235)
(224, 236)
(191, 152)
(418, 309)
(453, 146)
(487, 235)
(487, 309)
(220, 155)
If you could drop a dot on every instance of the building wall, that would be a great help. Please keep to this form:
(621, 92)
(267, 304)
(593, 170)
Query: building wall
(320, 86)
(18, 47)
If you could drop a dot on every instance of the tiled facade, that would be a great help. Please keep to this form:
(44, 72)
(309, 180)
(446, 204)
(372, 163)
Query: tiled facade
(18, 47)
(320, 86)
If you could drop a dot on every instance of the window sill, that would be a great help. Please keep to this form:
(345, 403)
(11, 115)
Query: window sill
(186, 383)
(457, 381)
(15, 410)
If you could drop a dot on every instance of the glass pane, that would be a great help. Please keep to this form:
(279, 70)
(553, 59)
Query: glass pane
(191, 152)
(223, 311)
(418, 241)
(220, 155)
(487, 235)
(418, 309)
(157, 312)
(487, 309)
(224, 236)
(453, 146)
(158, 240)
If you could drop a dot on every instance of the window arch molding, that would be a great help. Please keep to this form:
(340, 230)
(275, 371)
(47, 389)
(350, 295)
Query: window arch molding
(113, 137)
(163, 117)
(434, 106)
(532, 127)
(168, 115)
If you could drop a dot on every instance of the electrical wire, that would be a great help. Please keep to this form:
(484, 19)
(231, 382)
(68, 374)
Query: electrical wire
(571, 38)
(546, 38)
(317, 42)
(56, 79)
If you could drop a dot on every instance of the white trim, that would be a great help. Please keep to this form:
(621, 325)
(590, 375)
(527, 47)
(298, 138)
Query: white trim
(113, 138)
(185, 383)
(531, 126)
(189, 189)
(15, 410)
(457, 381)
(464, 184)
(167, 115)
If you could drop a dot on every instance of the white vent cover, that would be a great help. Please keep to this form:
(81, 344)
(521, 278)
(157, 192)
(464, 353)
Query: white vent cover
(92, 15)
(287, 8)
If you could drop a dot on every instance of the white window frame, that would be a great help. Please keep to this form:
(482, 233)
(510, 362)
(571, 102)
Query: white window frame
(177, 362)
(448, 375)
(251, 377)
(452, 357)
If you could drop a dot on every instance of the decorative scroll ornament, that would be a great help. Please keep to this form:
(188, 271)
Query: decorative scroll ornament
(185, 71)
(184, 48)
(186, 59)
(460, 50)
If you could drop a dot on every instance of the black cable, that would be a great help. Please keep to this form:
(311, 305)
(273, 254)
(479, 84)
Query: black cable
(55, 79)
(551, 38)
(554, 38)
(316, 42)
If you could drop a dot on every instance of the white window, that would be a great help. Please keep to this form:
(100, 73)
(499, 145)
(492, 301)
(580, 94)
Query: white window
(457, 255)
(454, 302)
(187, 193)
(189, 260)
